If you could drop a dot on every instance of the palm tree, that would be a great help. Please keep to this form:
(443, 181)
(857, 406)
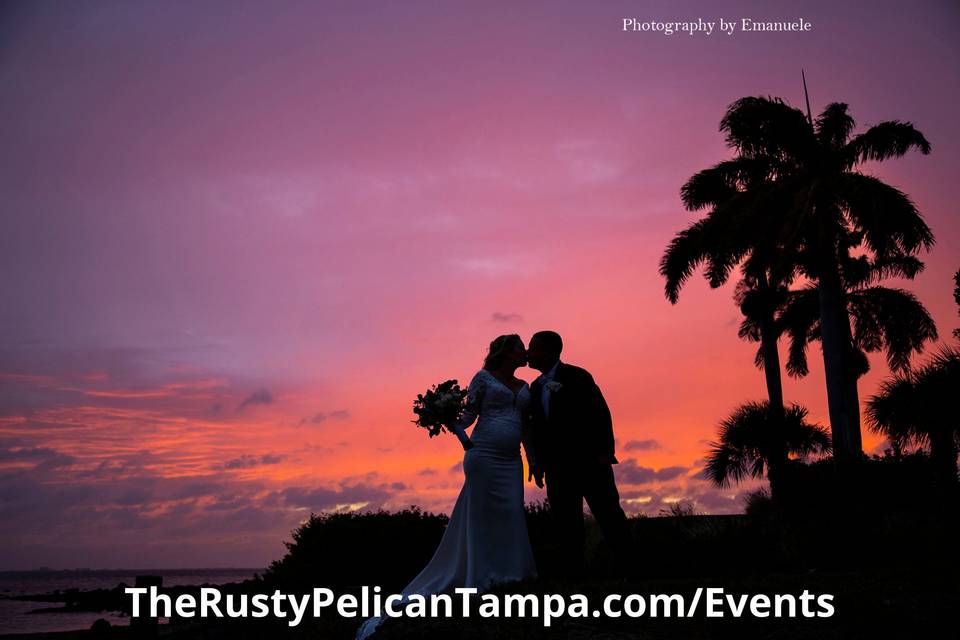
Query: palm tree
(819, 201)
(919, 407)
(717, 244)
(746, 442)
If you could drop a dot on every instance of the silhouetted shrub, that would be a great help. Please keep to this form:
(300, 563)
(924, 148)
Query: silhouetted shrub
(884, 507)
(883, 510)
(758, 503)
(358, 548)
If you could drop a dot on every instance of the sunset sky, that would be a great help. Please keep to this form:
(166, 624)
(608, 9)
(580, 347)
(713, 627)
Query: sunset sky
(238, 238)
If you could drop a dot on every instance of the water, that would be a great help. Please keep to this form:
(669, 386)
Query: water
(15, 616)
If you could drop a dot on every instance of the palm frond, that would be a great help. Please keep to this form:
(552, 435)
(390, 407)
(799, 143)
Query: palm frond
(893, 320)
(887, 217)
(686, 251)
(834, 125)
(895, 266)
(799, 318)
(768, 127)
(720, 182)
(890, 139)
(913, 405)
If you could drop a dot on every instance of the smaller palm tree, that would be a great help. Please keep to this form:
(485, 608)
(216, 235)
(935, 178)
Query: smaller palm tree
(747, 443)
(919, 407)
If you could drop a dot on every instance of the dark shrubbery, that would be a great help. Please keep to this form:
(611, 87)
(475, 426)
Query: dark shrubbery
(348, 549)
(886, 510)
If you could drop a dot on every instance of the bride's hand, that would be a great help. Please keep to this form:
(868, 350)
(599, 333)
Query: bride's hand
(462, 437)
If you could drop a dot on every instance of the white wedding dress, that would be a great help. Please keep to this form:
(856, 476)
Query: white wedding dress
(486, 539)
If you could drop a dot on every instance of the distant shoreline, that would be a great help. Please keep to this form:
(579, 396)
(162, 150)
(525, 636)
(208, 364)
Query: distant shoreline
(40, 603)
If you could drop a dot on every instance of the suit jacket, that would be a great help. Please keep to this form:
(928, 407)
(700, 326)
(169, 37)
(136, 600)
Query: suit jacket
(579, 425)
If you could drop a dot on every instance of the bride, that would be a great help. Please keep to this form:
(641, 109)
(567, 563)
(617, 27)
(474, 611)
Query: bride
(486, 540)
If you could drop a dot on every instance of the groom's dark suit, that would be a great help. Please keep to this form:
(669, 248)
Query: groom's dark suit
(573, 441)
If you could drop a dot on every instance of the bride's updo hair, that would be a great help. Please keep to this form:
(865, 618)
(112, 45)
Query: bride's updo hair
(500, 347)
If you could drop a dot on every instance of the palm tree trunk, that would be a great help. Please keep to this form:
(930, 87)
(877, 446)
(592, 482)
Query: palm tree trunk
(853, 400)
(835, 332)
(778, 455)
(778, 461)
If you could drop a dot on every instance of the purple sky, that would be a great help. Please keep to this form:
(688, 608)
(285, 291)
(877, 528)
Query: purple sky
(239, 237)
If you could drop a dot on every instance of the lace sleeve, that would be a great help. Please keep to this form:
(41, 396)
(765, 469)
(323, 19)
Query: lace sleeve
(474, 400)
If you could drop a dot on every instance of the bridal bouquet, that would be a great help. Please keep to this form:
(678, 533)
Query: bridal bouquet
(440, 407)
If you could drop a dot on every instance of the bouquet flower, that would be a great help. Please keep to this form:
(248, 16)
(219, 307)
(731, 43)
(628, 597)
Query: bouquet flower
(440, 407)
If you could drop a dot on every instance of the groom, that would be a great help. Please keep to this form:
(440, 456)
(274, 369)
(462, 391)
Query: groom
(572, 435)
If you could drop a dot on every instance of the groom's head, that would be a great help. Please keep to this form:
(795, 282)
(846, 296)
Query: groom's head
(544, 350)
